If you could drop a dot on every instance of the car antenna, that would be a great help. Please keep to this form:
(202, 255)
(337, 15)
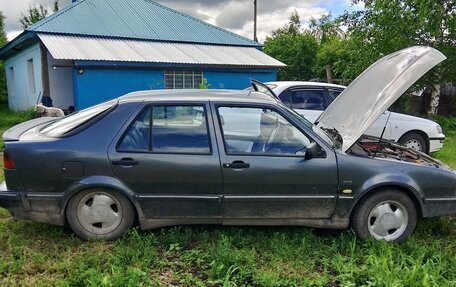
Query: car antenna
(381, 136)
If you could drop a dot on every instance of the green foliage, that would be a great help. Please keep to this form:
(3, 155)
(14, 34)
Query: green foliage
(448, 124)
(3, 41)
(204, 85)
(296, 49)
(10, 118)
(36, 13)
(385, 26)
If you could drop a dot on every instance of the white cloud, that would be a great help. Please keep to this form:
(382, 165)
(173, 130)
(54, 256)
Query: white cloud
(233, 15)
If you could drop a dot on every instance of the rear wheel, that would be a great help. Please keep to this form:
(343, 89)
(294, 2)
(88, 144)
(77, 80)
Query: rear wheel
(414, 141)
(385, 215)
(100, 214)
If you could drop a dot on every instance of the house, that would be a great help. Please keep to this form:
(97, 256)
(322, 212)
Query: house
(95, 50)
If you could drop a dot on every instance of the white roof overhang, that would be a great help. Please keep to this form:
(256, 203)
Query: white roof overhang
(84, 48)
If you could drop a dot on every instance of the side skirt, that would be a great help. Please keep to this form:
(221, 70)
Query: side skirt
(337, 223)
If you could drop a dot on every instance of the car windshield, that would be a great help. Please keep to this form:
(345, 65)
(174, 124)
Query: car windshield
(64, 125)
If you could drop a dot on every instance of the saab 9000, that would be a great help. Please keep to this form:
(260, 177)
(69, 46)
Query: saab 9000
(163, 158)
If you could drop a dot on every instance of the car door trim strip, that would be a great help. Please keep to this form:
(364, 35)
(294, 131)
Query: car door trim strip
(279, 196)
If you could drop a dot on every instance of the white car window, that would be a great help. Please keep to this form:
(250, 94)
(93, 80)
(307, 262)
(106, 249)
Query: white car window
(308, 99)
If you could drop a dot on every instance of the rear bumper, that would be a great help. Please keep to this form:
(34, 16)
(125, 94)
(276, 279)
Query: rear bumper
(41, 209)
(11, 200)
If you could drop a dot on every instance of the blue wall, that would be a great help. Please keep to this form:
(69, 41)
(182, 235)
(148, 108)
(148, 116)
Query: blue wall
(96, 85)
(238, 79)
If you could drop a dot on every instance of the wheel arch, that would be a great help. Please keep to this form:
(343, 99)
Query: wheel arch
(421, 133)
(101, 182)
(408, 190)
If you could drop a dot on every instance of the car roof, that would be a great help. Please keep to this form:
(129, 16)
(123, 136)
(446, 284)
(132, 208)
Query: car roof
(287, 84)
(198, 95)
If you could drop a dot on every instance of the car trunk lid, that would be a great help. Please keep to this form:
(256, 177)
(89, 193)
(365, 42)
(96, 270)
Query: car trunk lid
(14, 133)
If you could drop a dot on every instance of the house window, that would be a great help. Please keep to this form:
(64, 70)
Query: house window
(183, 79)
(11, 82)
(31, 76)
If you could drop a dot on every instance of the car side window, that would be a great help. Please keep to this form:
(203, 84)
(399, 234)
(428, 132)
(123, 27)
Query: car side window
(333, 94)
(259, 131)
(168, 129)
(308, 99)
(137, 137)
(180, 129)
(285, 98)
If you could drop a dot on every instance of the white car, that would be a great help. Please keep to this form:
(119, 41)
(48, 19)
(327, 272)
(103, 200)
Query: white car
(311, 98)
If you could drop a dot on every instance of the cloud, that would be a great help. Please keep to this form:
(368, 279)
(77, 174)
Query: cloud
(233, 15)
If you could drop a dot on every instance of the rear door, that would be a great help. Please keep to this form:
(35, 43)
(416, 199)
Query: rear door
(264, 171)
(167, 156)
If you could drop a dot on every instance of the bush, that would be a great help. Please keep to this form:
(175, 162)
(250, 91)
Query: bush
(448, 124)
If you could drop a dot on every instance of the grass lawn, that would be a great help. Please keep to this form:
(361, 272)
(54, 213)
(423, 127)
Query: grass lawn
(33, 254)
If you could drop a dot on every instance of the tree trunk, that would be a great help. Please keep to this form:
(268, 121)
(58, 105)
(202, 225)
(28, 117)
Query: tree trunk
(435, 99)
(329, 76)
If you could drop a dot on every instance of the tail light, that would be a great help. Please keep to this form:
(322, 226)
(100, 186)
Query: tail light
(8, 163)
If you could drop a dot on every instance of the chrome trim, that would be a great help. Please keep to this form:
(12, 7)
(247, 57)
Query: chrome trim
(33, 194)
(346, 197)
(180, 196)
(279, 196)
(434, 199)
(9, 193)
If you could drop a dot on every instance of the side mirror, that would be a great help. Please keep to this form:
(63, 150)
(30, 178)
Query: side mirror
(312, 151)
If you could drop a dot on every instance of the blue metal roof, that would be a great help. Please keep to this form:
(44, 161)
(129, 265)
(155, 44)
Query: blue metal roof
(135, 19)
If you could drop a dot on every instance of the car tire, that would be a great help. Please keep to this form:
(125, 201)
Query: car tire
(385, 215)
(415, 141)
(100, 213)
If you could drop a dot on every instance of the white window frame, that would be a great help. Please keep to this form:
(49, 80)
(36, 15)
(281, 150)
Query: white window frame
(11, 82)
(174, 73)
(31, 76)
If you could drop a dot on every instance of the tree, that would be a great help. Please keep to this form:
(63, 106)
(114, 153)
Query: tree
(35, 13)
(293, 47)
(385, 26)
(3, 41)
(331, 39)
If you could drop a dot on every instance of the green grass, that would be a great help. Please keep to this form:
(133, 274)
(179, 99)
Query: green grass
(9, 118)
(33, 254)
(448, 153)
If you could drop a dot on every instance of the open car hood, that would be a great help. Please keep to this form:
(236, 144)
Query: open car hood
(375, 90)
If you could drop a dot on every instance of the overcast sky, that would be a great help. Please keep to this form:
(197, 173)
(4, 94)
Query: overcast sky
(234, 15)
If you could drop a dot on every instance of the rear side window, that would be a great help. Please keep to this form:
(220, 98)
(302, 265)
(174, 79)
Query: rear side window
(333, 94)
(308, 99)
(285, 98)
(67, 124)
(169, 129)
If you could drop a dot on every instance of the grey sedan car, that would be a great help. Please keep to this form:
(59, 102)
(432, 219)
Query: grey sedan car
(162, 158)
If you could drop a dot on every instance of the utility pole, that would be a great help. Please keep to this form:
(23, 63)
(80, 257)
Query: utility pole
(255, 21)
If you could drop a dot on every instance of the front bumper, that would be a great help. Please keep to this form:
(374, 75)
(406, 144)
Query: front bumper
(436, 144)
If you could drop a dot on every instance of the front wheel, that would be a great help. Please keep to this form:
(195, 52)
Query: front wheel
(385, 215)
(414, 141)
(100, 214)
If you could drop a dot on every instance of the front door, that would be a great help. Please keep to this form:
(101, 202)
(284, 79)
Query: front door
(265, 174)
(168, 157)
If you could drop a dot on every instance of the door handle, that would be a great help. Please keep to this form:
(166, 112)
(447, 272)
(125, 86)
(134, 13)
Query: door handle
(125, 162)
(238, 164)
